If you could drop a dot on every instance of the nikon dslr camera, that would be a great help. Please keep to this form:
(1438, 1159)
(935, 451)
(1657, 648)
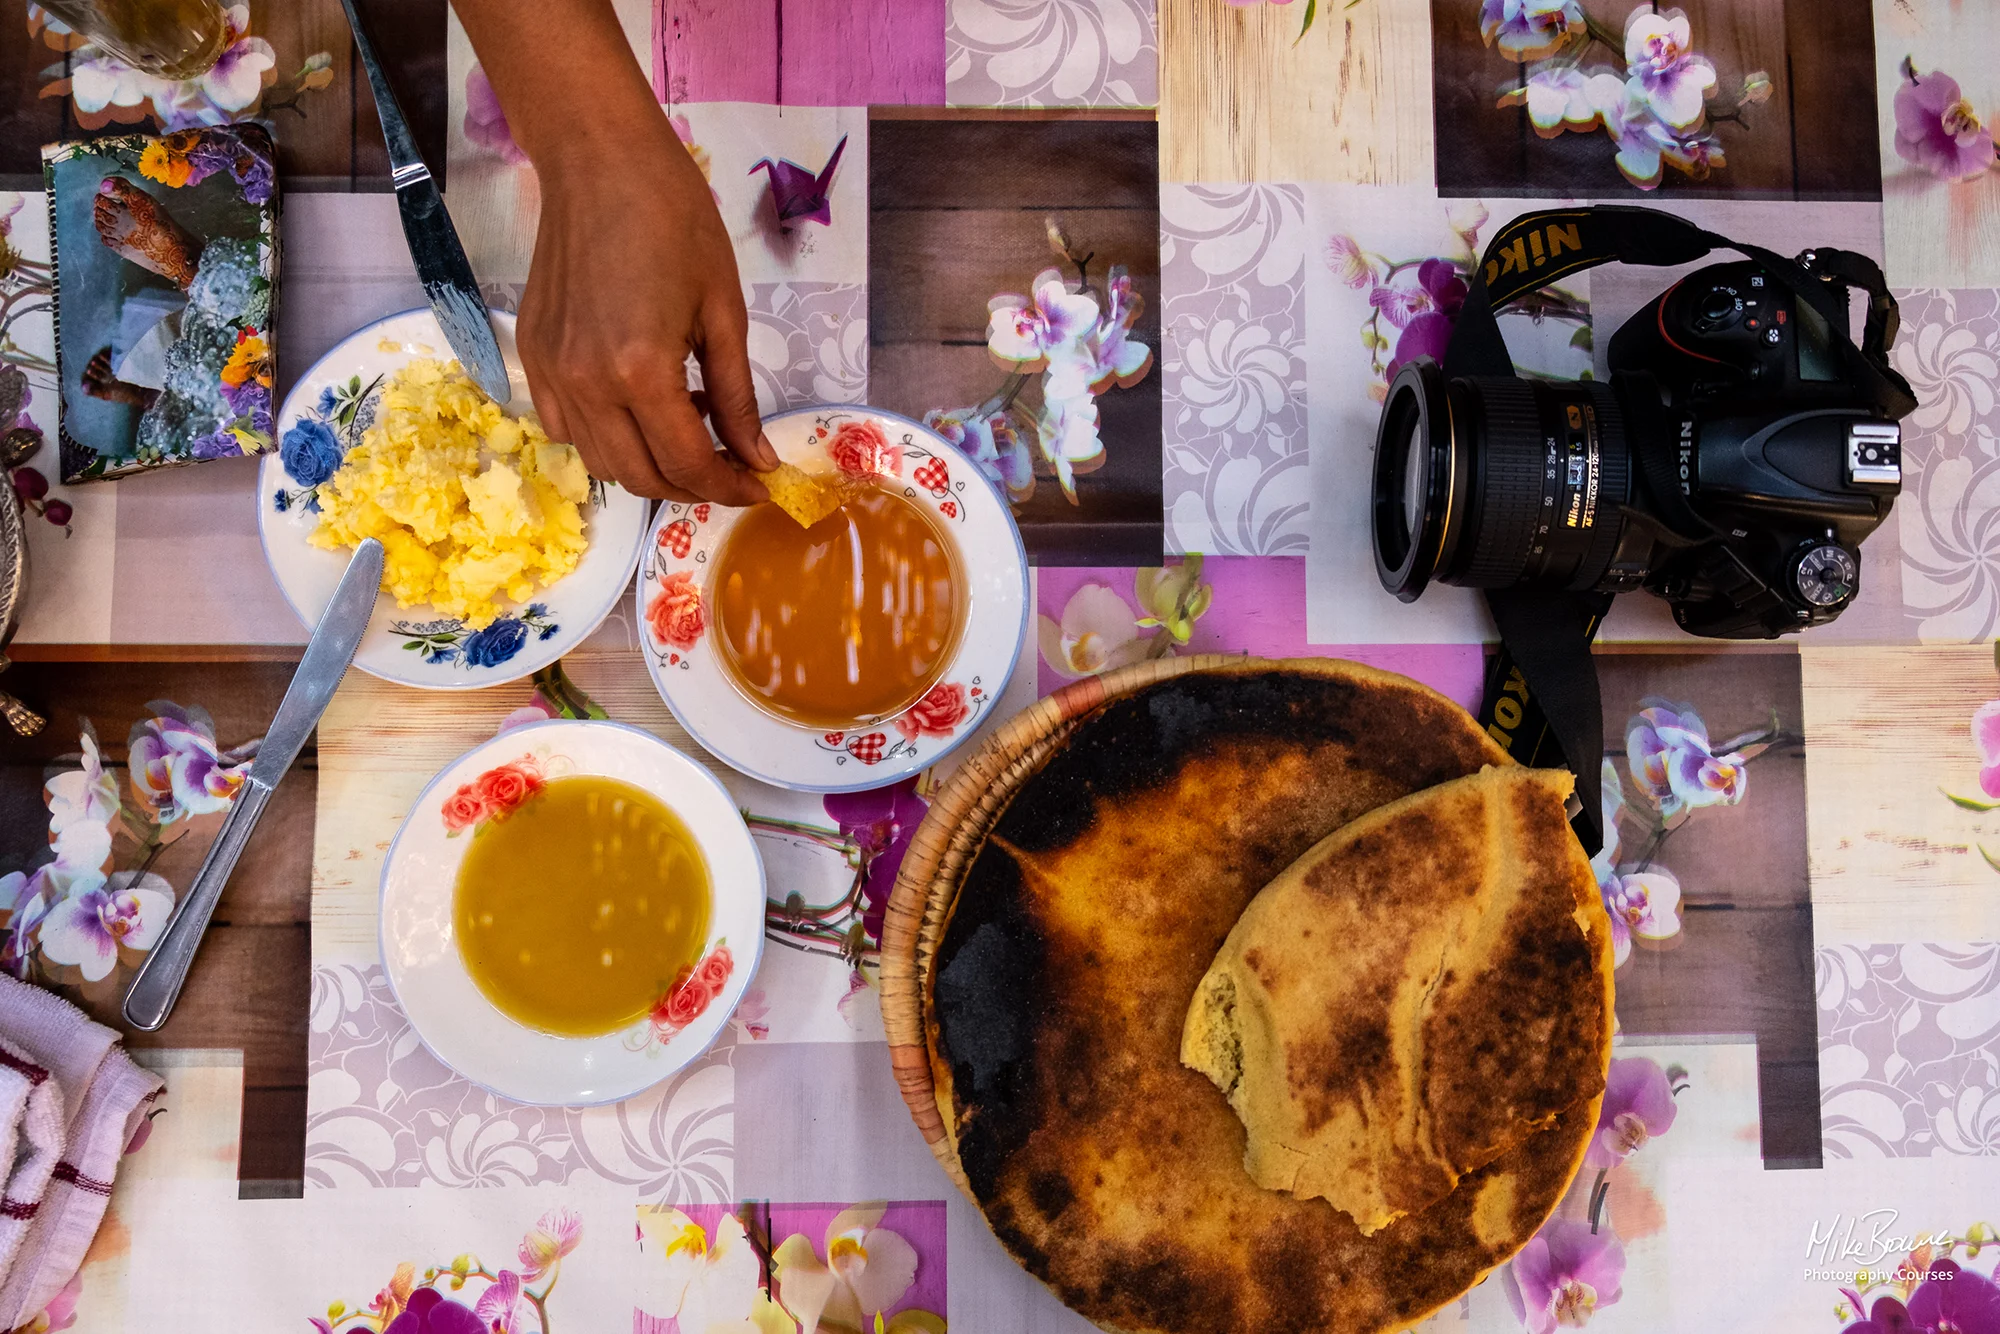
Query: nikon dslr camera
(1742, 450)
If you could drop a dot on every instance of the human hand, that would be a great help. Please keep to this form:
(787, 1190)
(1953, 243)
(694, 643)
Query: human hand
(633, 270)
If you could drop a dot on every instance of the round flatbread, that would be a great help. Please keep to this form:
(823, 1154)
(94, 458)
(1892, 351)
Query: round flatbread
(1054, 1011)
(1417, 995)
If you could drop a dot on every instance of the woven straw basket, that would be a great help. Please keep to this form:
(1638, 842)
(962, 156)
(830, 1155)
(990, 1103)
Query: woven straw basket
(944, 845)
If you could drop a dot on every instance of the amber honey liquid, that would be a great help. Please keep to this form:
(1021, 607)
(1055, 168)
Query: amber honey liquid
(175, 39)
(843, 623)
(577, 912)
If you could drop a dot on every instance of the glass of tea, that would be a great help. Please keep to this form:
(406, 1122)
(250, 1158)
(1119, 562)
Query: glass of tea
(173, 39)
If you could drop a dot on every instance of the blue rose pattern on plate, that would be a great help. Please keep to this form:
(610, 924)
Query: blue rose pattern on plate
(319, 440)
(448, 641)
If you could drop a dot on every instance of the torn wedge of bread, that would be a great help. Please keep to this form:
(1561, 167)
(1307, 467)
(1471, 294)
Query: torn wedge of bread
(1414, 997)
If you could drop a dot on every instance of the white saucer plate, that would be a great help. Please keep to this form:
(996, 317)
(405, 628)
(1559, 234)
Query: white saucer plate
(415, 646)
(426, 971)
(675, 597)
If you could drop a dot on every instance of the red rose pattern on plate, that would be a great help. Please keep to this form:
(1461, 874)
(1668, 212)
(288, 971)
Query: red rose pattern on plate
(494, 795)
(686, 1000)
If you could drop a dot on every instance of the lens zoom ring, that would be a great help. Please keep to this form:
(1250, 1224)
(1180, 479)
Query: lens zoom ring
(1507, 502)
(1614, 487)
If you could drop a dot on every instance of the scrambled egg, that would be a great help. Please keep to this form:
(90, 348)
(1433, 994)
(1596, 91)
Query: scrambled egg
(471, 505)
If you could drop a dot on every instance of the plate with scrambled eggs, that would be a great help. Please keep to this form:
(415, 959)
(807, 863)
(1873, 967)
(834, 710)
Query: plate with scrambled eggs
(503, 553)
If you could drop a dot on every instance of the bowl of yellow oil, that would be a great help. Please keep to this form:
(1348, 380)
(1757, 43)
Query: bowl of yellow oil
(571, 911)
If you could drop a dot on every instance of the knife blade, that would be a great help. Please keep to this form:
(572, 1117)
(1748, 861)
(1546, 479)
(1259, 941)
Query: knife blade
(328, 653)
(449, 286)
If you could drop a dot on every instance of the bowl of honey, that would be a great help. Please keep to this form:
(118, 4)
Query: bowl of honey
(853, 630)
(571, 911)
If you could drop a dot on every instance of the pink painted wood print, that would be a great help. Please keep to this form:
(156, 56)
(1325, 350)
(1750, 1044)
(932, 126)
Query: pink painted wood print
(813, 53)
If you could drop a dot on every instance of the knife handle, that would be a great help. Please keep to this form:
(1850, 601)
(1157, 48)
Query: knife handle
(405, 162)
(158, 984)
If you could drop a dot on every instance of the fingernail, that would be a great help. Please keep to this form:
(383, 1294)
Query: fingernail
(767, 455)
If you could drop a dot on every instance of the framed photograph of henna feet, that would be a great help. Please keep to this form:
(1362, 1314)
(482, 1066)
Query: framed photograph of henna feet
(166, 265)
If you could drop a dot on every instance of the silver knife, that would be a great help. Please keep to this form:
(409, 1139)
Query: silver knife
(441, 264)
(158, 984)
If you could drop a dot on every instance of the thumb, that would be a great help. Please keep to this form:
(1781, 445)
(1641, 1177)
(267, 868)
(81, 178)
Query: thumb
(732, 394)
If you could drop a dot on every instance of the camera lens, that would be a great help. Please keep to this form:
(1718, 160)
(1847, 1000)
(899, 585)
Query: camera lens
(1495, 482)
(1413, 477)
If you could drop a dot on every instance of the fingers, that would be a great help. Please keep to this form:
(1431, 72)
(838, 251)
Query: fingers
(686, 459)
(632, 462)
(724, 355)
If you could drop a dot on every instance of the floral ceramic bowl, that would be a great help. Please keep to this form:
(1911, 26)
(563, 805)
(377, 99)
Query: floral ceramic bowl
(675, 597)
(324, 415)
(450, 1014)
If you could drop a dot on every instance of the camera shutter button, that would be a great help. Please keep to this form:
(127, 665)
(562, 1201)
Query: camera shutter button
(1718, 305)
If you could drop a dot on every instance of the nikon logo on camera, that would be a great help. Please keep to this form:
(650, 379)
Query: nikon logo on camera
(1539, 253)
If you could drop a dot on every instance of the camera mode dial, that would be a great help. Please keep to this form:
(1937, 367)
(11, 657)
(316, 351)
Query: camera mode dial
(1825, 574)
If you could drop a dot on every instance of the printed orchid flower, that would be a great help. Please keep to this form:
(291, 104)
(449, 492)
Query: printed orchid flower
(1612, 803)
(485, 122)
(1111, 357)
(1564, 1274)
(1530, 29)
(751, 1014)
(1662, 69)
(1097, 633)
(867, 1270)
(1465, 218)
(499, 1307)
(1425, 313)
(1066, 431)
(1647, 144)
(881, 821)
(554, 1235)
(429, 1311)
(176, 770)
(82, 796)
(1889, 1316)
(1986, 736)
(103, 81)
(1350, 263)
(1638, 1106)
(236, 80)
(1668, 753)
(1566, 99)
(1173, 597)
(1023, 333)
(1642, 904)
(86, 929)
(706, 1286)
(684, 132)
(1643, 139)
(993, 442)
(27, 899)
(1966, 1303)
(1936, 127)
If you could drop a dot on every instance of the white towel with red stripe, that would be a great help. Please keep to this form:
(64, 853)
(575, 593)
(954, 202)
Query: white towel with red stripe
(70, 1101)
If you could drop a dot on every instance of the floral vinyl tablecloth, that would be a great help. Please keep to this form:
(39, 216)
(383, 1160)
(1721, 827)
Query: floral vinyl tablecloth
(1170, 333)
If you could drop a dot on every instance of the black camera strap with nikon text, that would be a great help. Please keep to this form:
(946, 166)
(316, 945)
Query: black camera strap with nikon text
(1542, 702)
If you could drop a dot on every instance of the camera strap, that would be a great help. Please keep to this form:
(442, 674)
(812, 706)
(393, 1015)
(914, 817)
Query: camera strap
(1542, 702)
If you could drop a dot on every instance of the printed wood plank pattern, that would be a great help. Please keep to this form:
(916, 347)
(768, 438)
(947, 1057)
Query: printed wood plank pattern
(1939, 233)
(957, 209)
(250, 983)
(1239, 101)
(1810, 140)
(1892, 859)
(809, 53)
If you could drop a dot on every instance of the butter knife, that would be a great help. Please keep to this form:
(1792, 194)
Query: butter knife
(441, 264)
(334, 640)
